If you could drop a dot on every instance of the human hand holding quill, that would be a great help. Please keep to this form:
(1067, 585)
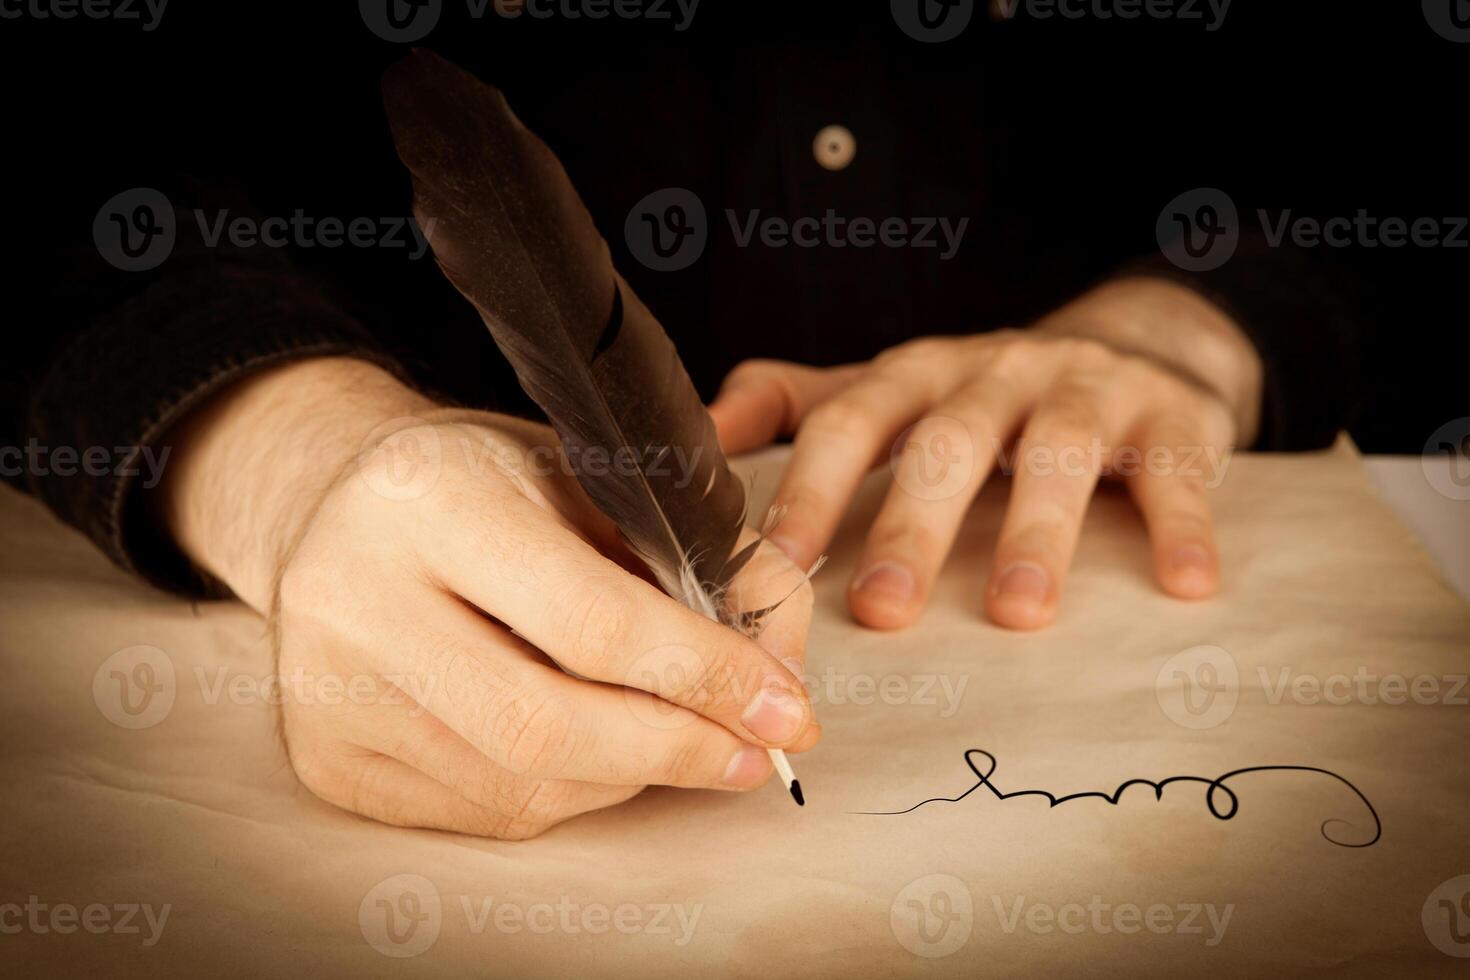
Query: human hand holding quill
(514, 238)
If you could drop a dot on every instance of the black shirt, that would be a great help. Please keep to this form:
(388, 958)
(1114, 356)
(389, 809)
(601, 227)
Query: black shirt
(1037, 155)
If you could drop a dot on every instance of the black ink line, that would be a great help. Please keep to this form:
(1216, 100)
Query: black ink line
(1216, 785)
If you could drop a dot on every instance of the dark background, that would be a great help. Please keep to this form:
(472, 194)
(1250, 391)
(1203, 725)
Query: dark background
(1060, 140)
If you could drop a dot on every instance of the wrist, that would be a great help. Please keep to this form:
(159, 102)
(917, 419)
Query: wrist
(251, 466)
(1177, 327)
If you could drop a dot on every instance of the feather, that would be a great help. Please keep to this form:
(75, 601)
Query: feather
(512, 235)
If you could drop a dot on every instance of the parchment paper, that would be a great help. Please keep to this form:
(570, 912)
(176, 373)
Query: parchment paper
(200, 812)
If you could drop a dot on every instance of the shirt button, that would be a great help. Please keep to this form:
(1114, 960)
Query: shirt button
(834, 147)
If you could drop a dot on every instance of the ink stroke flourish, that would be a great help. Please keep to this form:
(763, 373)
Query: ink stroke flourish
(1216, 789)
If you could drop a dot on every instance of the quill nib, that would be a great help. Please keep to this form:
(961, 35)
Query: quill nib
(783, 768)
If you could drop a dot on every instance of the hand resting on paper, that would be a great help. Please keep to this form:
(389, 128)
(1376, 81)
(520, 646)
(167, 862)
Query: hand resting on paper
(431, 556)
(1141, 379)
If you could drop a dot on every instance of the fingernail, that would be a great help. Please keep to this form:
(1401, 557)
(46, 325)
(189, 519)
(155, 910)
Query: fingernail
(793, 665)
(887, 580)
(1024, 580)
(1189, 558)
(773, 716)
(747, 768)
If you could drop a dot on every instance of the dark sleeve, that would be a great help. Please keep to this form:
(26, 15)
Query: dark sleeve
(114, 357)
(1302, 311)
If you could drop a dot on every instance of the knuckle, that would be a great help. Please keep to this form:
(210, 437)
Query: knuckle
(311, 769)
(348, 786)
(686, 764)
(909, 539)
(600, 618)
(534, 733)
(1186, 524)
(1088, 353)
(840, 419)
(1068, 419)
(753, 370)
(919, 351)
(1051, 525)
(1014, 351)
(531, 810)
(712, 682)
(803, 499)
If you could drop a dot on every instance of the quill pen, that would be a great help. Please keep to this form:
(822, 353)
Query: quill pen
(512, 235)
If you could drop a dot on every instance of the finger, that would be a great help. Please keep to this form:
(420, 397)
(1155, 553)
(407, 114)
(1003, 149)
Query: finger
(393, 792)
(839, 442)
(922, 513)
(595, 619)
(762, 400)
(770, 581)
(1059, 460)
(472, 729)
(1170, 493)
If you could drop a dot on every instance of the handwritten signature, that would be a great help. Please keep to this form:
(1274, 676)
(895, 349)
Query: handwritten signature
(1213, 795)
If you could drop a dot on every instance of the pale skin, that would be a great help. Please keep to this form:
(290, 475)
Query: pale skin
(447, 558)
